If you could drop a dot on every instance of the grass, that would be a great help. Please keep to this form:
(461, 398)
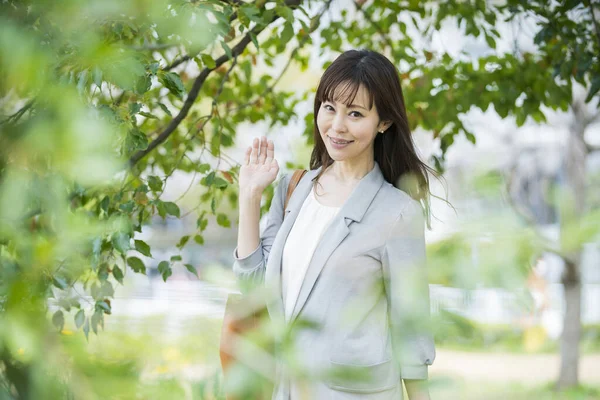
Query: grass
(467, 390)
(149, 363)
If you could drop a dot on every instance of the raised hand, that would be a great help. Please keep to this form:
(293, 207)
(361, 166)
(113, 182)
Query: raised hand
(260, 167)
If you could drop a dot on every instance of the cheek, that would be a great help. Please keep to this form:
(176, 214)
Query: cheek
(322, 123)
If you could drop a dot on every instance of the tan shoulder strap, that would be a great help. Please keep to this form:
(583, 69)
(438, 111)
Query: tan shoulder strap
(298, 174)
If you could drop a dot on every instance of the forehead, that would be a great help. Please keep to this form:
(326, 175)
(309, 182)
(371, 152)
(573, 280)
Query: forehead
(350, 93)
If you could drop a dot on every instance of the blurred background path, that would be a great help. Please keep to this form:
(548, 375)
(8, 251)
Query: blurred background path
(503, 367)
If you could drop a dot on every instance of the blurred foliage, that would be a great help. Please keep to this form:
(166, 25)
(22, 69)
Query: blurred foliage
(454, 331)
(102, 102)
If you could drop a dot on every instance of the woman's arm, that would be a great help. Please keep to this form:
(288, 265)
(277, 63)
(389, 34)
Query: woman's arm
(407, 291)
(252, 252)
(416, 389)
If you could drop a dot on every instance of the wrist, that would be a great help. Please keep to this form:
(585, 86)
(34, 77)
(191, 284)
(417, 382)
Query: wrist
(250, 195)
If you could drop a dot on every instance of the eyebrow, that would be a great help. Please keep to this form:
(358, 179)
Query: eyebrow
(351, 105)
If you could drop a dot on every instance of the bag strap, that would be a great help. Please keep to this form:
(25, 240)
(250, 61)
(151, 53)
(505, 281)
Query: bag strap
(298, 174)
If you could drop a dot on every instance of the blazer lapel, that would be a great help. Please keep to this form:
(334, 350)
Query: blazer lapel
(352, 211)
(274, 263)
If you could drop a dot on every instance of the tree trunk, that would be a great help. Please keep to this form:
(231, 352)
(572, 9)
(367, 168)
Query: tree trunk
(569, 342)
(571, 212)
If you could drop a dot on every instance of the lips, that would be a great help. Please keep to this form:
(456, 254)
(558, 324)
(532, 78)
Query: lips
(340, 141)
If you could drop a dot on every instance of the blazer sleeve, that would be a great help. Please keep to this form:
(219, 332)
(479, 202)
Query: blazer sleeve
(407, 291)
(250, 270)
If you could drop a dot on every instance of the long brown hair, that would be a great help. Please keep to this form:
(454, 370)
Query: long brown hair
(394, 149)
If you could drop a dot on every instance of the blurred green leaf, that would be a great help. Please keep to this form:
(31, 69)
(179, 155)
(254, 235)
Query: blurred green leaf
(143, 248)
(173, 82)
(79, 319)
(58, 319)
(164, 268)
(136, 265)
(192, 269)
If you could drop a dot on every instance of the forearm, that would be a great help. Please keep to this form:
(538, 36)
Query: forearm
(417, 389)
(249, 219)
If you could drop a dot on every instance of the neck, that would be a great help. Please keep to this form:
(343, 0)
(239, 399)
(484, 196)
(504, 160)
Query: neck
(348, 173)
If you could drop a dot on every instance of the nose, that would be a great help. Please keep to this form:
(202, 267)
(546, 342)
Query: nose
(339, 123)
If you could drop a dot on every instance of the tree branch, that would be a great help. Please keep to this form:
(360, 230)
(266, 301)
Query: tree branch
(287, 65)
(359, 6)
(198, 82)
(16, 116)
(177, 62)
(596, 27)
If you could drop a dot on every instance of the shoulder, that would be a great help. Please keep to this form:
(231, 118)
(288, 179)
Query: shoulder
(397, 203)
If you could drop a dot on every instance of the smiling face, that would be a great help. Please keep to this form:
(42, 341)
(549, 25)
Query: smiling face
(356, 124)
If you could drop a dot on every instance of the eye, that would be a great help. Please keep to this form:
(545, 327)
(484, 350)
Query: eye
(327, 107)
(358, 115)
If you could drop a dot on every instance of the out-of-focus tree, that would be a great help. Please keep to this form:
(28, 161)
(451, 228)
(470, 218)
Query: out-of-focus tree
(103, 101)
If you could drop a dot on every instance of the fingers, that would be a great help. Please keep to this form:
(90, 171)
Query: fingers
(270, 152)
(263, 150)
(254, 153)
(247, 155)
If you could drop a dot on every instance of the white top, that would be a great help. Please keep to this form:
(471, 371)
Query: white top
(311, 223)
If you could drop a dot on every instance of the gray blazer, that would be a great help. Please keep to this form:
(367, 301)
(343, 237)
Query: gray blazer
(365, 289)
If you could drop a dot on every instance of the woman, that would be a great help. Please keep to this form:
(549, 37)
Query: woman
(349, 254)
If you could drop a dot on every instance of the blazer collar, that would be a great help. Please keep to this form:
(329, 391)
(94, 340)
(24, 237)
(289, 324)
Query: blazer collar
(355, 206)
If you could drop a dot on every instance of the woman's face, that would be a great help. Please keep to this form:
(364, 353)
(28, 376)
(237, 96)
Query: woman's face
(354, 123)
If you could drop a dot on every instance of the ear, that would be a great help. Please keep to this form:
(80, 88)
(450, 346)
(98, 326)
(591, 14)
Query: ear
(383, 126)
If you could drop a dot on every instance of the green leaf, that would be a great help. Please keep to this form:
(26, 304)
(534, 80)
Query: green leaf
(470, 137)
(595, 87)
(59, 282)
(134, 108)
(106, 290)
(79, 318)
(143, 248)
(118, 274)
(147, 115)
(155, 183)
(220, 183)
(203, 168)
(254, 40)
(161, 208)
(172, 208)
(58, 319)
(287, 33)
(105, 203)
(202, 222)
(120, 241)
(142, 84)
(183, 241)
(136, 140)
(208, 61)
(173, 82)
(192, 269)
(86, 328)
(65, 304)
(164, 268)
(127, 207)
(227, 49)
(103, 272)
(103, 305)
(175, 258)
(490, 41)
(136, 265)
(97, 319)
(165, 109)
(199, 239)
(285, 12)
(223, 220)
